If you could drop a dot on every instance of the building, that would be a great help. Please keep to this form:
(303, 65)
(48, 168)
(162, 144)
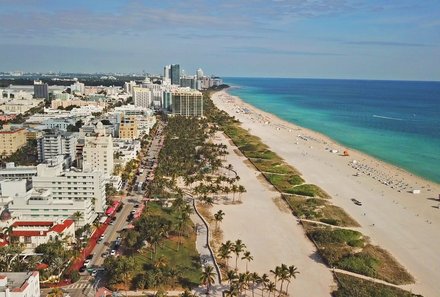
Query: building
(72, 185)
(199, 73)
(57, 103)
(175, 74)
(17, 172)
(41, 90)
(128, 87)
(11, 139)
(59, 122)
(167, 100)
(167, 72)
(34, 233)
(187, 103)
(142, 97)
(188, 82)
(19, 106)
(56, 143)
(128, 129)
(20, 284)
(98, 151)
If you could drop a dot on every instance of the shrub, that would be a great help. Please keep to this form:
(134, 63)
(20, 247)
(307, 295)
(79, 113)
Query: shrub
(330, 221)
(359, 263)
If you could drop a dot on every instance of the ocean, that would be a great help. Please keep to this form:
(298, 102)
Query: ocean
(395, 121)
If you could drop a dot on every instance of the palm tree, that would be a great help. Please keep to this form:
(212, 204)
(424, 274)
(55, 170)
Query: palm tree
(207, 277)
(283, 276)
(7, 232)
(161, 262)
(77, 216)
(224, 253)
(218, 216)
(293, 271)
(241, 190)
(271, 287)
(276, 273)
(248, 257)
(231, 276)
(237, 248)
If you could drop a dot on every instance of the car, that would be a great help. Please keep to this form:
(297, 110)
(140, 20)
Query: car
(105, 254)
(82, 269)
(89, 257)
(87, 262)
(94, 272)
(113, 253)
(111, 223)
(133, 212)
(102, 237)
(136, 206)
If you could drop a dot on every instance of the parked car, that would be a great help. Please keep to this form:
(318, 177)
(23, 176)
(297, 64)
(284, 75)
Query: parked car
(87, 262)
(94, 272)
(89, 257)
(105, 254)
(113, 253)
(82, 269)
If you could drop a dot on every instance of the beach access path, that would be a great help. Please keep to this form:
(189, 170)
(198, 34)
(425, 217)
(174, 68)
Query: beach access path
(403, 223)
(272, 235)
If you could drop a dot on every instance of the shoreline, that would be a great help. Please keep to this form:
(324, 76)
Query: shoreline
(329, 138)
(403, 223)
(325, 139)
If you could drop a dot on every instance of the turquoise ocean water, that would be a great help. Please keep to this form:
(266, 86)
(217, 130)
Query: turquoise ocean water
(395, 121)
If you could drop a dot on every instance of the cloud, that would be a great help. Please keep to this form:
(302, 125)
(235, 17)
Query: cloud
(387, 43)
(272, 51)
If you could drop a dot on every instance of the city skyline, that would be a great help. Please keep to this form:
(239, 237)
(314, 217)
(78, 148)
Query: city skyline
(296, 38)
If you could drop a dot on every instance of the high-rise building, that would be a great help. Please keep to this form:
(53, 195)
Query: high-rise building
(167, 72)
(186, 102)
(74, 185)
(98, 151)
(55, 143)
(175, 74)
(128, 129)
(41, 90)
(142, 97)
(199, 73)
(11, 140)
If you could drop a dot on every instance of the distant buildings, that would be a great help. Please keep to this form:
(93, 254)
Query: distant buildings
(142, 97)
(20, 284)
(187, 103)
(11, 139)
(175, 74)
(41, 90)
(128, 129)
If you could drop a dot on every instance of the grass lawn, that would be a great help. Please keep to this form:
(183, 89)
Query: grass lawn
(184, 256)
(350, 286)
(319, 210)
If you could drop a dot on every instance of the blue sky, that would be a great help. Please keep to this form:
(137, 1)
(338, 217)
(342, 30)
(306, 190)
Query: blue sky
(369, 39)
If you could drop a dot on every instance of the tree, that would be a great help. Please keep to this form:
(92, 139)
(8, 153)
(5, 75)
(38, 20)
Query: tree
(218, 216)
(237, 248)
(207, 277)
(248, 257)
(224, 251)
(77, 216)
(271, 287)
(56, 292)
(293, 271)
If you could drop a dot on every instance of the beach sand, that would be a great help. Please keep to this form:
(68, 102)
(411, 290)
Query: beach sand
(270, 232)
(401, 222)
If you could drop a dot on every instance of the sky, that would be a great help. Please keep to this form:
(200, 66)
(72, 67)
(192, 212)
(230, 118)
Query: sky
(359, 39)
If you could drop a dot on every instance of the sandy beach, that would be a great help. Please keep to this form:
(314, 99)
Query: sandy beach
(393, 216)
(270, 232)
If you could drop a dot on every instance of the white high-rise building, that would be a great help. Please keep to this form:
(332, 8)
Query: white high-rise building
(128, 87)
(98, 151)
(55, 143)
(142, 97)
(72, 185)
(167, 72)
(199, 73)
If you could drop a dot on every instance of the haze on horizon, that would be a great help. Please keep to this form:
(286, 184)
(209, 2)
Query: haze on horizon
(368, 39)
